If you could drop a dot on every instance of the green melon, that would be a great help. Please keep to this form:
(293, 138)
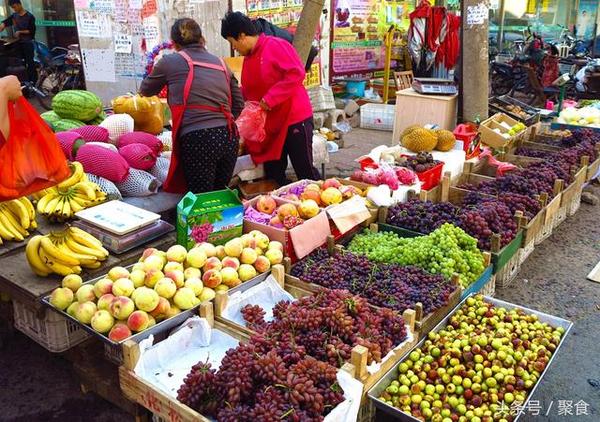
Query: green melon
(77, 104)
(99, 119)
(50, 117)
(64, 125)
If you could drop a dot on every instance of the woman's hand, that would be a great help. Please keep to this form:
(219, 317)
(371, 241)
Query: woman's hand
(10, 87)
(263, 104)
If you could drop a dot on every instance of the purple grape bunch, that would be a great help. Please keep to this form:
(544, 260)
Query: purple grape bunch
(387, 285)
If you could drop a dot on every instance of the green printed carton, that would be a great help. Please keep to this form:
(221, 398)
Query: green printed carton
(213, 217)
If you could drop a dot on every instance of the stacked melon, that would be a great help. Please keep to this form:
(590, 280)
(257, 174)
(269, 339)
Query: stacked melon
(74, 108)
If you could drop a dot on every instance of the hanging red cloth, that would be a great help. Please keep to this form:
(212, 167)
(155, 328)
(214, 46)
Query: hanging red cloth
(417, 31)
(448, 52)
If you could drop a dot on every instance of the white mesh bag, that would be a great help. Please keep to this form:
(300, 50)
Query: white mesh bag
(161, 168)
(139, 183)
(117, 125)
(167, 140)
(106, 186)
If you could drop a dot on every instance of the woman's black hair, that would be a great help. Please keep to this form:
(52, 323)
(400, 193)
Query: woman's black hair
(236, 23)
(554, 50)
(13, 2)
(186, 31)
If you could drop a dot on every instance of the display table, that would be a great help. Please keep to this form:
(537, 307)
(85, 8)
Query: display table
(413, 108)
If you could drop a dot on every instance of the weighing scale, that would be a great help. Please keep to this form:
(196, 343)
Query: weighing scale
(435, 86)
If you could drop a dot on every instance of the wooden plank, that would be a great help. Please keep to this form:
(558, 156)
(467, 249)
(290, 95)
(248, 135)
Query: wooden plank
(18, 280)
(138, 390)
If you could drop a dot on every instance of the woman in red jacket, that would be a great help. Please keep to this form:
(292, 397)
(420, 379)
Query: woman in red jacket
(273, 75)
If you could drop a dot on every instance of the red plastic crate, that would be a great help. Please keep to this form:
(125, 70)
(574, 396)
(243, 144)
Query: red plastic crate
(468, 133)
(431, 178)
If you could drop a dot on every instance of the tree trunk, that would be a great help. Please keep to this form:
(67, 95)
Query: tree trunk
(307, 26)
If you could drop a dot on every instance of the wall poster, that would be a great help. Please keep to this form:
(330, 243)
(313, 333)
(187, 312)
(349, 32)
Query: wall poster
(358, 33)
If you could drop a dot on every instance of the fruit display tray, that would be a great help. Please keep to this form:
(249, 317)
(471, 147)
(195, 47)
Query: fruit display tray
(392, 374)
(113, 348)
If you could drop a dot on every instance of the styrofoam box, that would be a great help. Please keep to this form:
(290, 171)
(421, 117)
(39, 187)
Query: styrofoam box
(377, 116)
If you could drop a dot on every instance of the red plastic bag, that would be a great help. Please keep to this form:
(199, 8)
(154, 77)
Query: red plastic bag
(251, 123)
(31, 159)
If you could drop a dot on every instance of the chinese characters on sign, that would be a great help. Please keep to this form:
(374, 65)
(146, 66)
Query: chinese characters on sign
(535, 408)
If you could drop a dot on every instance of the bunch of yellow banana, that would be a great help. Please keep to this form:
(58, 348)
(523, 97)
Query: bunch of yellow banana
(16, 218)
(74, 194)
(64, 253)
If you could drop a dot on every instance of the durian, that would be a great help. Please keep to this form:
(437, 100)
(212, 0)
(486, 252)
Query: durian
(409, 129)
(445, 140)
(420, 139)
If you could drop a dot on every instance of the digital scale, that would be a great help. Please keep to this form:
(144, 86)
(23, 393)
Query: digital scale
(434, 86)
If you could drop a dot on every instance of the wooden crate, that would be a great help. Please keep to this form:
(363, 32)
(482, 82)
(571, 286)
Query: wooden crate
(149, 396)
(358, 360)
(552, 210)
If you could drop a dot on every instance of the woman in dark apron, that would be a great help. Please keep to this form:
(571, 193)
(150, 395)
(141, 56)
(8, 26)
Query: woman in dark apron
(204, 99)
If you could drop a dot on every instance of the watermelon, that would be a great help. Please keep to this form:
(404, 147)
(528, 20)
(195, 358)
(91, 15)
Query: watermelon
(50, 117)
(64, 125)
(99, 119)
(77, 104)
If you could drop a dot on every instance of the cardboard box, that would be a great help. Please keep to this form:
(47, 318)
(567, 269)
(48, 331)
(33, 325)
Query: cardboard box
(299, 241)
(214, 217)
(494, 139)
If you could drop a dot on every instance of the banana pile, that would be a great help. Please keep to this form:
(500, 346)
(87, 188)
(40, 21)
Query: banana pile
(64, 253)
(16, 218)
(74, 194)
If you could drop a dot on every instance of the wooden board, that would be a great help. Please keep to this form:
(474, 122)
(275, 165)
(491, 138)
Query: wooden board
(593, 169)
(19, 282)
(44, 227)
(569, 194)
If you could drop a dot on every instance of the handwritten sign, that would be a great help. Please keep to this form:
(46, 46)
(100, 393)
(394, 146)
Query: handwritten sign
(93, 24)
(123, 43)
(151, 31)
(99, 64)
(477, 15)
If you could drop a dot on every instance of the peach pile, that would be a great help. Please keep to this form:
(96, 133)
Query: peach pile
(162, 284)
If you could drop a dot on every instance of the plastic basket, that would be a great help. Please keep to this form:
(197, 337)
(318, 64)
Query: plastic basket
(526, 251)
(356, 88)
(468, 133)
(509, 271)
(53, 332)
(489, 289)
(377, 116)
(430, 178)
(321, 98)
(113, 353)
(561, 216)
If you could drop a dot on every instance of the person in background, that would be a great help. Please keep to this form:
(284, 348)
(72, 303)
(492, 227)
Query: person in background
(550, 65)
(23, 24)
(10, 90)
(205, 99)
(273, 76)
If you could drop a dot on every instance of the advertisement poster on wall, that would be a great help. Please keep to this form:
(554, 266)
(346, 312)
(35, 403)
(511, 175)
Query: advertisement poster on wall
(358, 29)
(586, 19)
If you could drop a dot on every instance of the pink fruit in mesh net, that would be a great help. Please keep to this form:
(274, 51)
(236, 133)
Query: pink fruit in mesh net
(92, 133)
(139, 156)
(147, 139)
(66, 141)
(406, 176)
(103, 162)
